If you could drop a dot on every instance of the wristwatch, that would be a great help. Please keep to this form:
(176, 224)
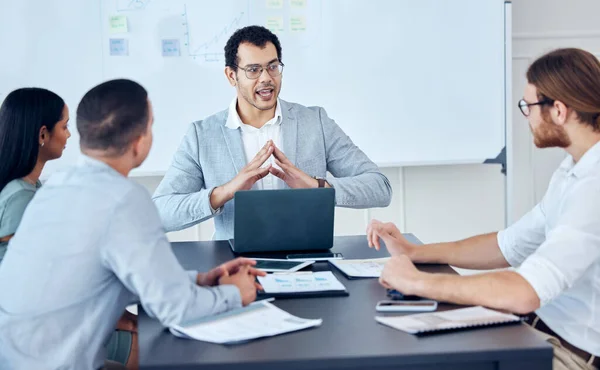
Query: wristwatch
(321, 181)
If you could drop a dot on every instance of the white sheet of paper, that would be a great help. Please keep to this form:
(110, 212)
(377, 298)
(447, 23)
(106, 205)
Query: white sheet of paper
(361, 268)
(262, 319)
(459, 318)
(300, 282)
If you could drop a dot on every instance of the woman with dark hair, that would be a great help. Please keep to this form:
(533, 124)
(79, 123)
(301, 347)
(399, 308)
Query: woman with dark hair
(33, 130)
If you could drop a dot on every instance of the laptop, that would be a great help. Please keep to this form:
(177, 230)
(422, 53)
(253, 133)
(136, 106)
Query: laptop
(283, 220)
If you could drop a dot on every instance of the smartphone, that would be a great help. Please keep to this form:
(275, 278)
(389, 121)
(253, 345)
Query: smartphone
(315, 256)
(406, 306)
(397, 296)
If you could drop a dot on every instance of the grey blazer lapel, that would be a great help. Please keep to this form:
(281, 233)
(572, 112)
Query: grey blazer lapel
(289, 131)
(233, 138)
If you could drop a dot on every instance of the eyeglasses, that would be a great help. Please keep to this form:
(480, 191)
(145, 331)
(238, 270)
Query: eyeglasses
(524, 106)
(255, 71)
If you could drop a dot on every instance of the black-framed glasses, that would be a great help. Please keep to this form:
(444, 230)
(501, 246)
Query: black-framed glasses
(524, 106)
(255, 71)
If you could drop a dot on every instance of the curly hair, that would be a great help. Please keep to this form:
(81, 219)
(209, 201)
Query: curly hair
(255, 35)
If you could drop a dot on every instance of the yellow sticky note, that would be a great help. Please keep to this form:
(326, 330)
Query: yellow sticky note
(298, 3)
(297, 24)
(118, 24)
(274, 4)
(275, 24)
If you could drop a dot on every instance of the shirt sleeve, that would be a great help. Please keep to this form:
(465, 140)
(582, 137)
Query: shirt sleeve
(571, 247)
(181, 197)
(358, 182)
(139, 254)
(521, 239)
(13, 213)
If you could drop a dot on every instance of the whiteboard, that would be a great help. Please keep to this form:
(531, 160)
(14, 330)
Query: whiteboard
(411, 82)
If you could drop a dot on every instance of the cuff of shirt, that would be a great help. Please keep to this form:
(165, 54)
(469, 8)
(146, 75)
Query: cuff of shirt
(506, 247)
(193, 274)
(212, 210)
(232, 296)
(545, 278)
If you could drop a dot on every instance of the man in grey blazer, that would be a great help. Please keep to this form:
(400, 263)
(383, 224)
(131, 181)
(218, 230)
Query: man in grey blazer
(242, 147)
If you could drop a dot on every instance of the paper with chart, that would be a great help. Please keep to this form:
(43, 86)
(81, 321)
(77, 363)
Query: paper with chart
(363, 268)
(300, 282)
(261, 319)
(447, 320)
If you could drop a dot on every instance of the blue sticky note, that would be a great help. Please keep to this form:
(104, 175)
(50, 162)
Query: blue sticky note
(119, 47)
(170, 48)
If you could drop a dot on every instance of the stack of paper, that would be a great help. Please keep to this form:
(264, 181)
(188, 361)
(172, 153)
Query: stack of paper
(367, 268)
(261, 319)
(462, 318)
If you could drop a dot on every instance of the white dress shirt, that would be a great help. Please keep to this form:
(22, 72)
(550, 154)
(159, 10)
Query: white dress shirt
(255, 138)
(556, 247)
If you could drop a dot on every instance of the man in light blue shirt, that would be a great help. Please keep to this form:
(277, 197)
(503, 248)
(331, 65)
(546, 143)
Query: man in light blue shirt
(91, 242)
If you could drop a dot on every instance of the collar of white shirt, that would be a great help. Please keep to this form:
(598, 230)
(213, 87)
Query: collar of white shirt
(588, 162)
(234, 121)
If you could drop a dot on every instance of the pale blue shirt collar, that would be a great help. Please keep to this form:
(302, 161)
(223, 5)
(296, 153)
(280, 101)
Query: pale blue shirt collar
(234, 121)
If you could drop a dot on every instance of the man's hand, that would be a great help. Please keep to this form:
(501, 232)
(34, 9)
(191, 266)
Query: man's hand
(395, 242)
(401, 274)
(244, 180)
(212, 277)
(244, 280)
(127, 322)
(290, 174)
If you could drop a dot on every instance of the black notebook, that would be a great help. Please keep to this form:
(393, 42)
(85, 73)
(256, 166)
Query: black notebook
(445, 321)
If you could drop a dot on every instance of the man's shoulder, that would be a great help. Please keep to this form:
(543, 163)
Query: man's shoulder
(300, 109)
(211, 123)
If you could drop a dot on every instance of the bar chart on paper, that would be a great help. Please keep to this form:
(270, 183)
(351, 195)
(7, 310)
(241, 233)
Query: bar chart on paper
(301, 282)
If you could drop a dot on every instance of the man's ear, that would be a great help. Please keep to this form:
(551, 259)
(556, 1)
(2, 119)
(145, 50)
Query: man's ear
(230, 73)
(135, 146)
(559, 112)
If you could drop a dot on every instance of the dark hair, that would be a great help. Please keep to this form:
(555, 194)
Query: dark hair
(255, 35)
(22, 115)
(112, 115)
(571, 76)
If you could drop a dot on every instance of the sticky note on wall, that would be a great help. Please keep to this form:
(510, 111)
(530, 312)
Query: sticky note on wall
(118, 24)
(119, 47)
(274, 4)
(298, 3)
(275, 24)
(170, 48)
(297, 24)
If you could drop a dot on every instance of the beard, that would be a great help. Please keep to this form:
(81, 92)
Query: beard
(549, 135)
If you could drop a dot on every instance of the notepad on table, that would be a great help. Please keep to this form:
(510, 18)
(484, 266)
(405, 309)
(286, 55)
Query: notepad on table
(362, 268)
(258, 320)
(459, 319)
(302, 284)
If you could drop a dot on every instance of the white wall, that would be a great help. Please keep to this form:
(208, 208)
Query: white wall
(441, 203)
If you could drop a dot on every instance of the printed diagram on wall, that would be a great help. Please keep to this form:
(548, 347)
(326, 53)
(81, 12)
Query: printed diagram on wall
(199, 29)
(128, 5)
(205, 34)
(196, 29)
